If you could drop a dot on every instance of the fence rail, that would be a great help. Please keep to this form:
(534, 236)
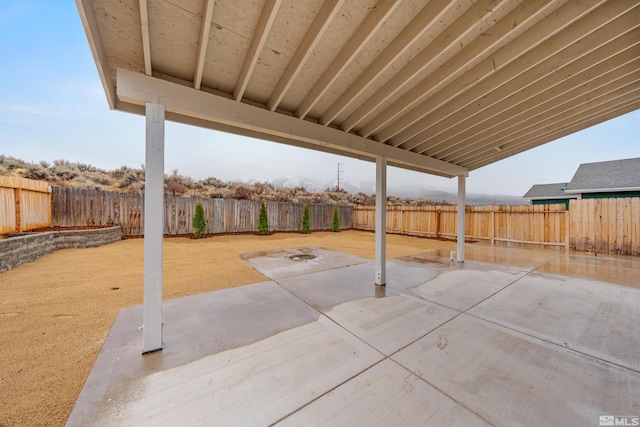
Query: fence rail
(24, 204)
(78, 207)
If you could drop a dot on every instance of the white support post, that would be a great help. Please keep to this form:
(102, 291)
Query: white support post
(461, 216)
(381, 221)
(153, 228)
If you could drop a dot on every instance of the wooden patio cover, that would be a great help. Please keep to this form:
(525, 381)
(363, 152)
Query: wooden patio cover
(443, 87)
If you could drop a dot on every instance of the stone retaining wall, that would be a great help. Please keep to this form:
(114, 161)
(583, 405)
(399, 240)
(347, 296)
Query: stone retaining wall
(20, 248)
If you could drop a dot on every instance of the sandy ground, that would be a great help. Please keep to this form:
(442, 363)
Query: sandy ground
(55, 313)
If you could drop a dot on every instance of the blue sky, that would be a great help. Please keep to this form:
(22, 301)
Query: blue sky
(52, 106)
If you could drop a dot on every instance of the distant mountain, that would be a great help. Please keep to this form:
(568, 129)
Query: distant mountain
(429, 193)
(406, 192)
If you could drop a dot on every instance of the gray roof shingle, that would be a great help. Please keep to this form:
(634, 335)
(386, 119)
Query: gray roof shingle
(613, 174)
(548, 191)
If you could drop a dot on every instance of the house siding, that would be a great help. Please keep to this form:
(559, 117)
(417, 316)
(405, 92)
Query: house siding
(611, 195)
(564, 202)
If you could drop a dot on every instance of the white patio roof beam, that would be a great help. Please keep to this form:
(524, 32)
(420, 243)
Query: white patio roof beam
(136, 89)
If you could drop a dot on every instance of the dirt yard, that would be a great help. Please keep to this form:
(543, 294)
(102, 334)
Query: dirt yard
(56, 312)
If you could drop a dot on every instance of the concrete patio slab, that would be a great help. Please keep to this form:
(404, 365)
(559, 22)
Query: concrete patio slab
(400, 274)
(463, 288)
(389, 323)
(620, 270)
(509, 378)
(257, 384)
(595, 318)
(325, 289)
(483, 342)
(195, 327)
(506, 256)
(380, 316)
(392, 395)
(278, 264)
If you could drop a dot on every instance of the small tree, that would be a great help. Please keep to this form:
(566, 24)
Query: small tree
(336, 219)
(306, 220)
(263, 220)
(199, 222)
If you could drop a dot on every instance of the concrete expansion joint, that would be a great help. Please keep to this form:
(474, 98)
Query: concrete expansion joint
(331, 390)
(289, 292)
(417, 375)
(564, 345)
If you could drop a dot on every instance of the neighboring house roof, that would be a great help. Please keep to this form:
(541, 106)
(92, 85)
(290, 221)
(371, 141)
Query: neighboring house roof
(614, 175)
(548, 191)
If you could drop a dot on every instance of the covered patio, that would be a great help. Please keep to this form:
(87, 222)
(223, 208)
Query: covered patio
(441, 87)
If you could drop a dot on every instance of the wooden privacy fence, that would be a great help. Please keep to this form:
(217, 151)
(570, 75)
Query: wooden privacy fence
(24, 204)
(238, 216)
(540, 224)
(77, 207)
(606, 225)
(73, 207)
(599, 225)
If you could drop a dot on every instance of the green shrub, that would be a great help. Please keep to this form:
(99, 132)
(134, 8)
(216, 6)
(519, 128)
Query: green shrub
(199, 222)
(336, 219)
(306, 220)
(263, 220)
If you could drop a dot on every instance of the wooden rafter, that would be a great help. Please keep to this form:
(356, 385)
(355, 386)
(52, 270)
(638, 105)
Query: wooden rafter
(471, 19)
(553, 116)
(414, 30)
(362, 35)
(146, 43)
(316, 30)
(530, 67)
(475, 56)
(267, 17)
(580, 78)
(205, 29)
(599, 115)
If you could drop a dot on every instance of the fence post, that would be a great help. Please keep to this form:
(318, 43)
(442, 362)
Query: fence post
(492, 226)
(18, 194)
(49, 214)
(438, 215)
(567, 229)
